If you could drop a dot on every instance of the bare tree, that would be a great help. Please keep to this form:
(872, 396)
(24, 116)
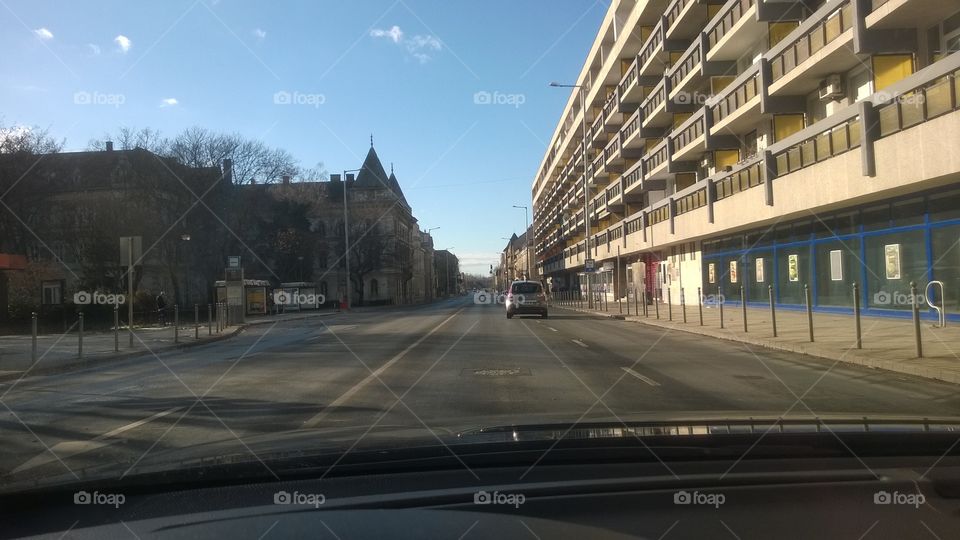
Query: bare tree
(128, 138)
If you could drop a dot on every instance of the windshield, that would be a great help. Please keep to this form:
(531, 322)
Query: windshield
(236, 233)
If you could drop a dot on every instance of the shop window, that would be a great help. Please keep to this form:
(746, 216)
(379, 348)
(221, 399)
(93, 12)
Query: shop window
(837, 268)
(945, 242)
(944, 206)
(908, 212)
(893, 261)
(891, 68)
(876, 217)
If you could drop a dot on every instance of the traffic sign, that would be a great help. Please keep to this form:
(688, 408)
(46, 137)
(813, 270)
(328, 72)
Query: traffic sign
(591, 265)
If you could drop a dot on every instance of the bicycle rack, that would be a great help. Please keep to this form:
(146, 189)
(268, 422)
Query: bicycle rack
(941, 315)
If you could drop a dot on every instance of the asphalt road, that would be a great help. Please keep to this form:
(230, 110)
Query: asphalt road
(420, 372)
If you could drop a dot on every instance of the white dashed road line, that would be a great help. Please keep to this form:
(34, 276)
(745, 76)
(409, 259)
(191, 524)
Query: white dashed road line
(647, 380)
(580, 343)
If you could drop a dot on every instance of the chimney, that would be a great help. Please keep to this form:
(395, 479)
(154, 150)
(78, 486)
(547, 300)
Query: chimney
(350, 177)
(228, 171)
(109, 146)
(286, 179)
(334, 177)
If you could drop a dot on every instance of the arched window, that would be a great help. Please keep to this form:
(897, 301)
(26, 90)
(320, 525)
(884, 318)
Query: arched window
(374, 288)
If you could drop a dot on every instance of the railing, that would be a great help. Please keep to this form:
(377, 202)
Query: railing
(612, 149)
(633, 225)
(611, 105)
(613, 192)
(690, 60)
(674, 10)
(633, 175)
(657, 157)
(630, 127)
(628, 78)
(697, 199)
(650, 47)
(741, 180)
(825, 145)
(597, 127)
(730, 17)
(656, 97)
(597, 167)
(923, 103)
(659, 214)
(688, 133)
(737, 96)
(615, 233)
(810, 42)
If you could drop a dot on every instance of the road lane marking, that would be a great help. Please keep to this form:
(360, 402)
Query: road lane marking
(552, 328)
(312, 422)
(647, 380)
(72, 448)
(580, 343)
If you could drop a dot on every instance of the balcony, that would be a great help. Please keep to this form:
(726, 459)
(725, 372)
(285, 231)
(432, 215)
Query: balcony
(654, 57)
(685, 18)
(909, 13)
(597, 175)
(655, 107)
(632, 184)
(822, 45)
(689, 140)
(612, 117)
(598, 135)
(735, 31)
(612, 157)
(657, 161)
(736, 109)
(629, 90)
(615, 197)
(746, 175)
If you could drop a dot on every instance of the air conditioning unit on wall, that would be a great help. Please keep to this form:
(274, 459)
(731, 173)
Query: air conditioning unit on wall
(831, 87)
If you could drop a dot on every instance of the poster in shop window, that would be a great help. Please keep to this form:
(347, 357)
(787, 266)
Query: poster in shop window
(793, 267)
(891, 254)
(759, 269)
(836, 265)
(712, 273)
(733, 271)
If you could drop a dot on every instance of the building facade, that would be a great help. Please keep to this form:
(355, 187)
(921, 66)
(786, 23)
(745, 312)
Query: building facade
(779, 147)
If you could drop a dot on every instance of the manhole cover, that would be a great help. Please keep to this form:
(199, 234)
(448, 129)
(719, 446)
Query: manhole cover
(496, 372)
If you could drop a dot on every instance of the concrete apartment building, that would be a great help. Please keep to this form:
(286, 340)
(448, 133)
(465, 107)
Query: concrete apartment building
(756, 144)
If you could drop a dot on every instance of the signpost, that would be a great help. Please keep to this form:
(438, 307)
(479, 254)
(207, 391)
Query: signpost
(235, 292)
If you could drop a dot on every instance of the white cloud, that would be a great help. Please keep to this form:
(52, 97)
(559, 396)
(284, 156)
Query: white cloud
(169, 102)
(123, 42)
(43, 34)
(394, 33)
(259, 33)
(94, 49)
(423, 42)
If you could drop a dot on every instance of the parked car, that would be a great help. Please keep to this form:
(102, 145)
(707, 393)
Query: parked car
(526, 297)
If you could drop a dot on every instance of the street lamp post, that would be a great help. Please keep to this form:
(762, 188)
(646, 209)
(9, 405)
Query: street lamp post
(346, 233)
(586, 196)
(446, 283)
(526, 233)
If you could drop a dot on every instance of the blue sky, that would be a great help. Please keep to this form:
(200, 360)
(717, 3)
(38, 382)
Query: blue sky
(409, 72)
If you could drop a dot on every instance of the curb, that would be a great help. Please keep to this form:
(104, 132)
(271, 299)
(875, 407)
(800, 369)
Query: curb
(107, 358)
(850, 356)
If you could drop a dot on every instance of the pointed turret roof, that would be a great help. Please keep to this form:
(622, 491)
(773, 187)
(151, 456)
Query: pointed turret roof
(371, 173)
(395, 186)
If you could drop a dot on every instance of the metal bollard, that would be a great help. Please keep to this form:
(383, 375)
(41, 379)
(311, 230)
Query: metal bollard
(33, 336)
(656, 305)
(620, 306)
(721, 300)
(196, 322)
(700, 304)
(176, 323)
(80, 341)
(670, 304)
(773, 310)
(628, 304)
(856, 314)
(116, 328)
(743, 306)
(916, 318)
(806, 296)
(683, 304)
(209, 320)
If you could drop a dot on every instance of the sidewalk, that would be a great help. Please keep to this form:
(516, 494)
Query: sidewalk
(888, 343)
(60, 352)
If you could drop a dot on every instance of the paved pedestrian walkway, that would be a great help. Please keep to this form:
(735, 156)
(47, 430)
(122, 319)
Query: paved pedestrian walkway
(888, 343)
(62, 351)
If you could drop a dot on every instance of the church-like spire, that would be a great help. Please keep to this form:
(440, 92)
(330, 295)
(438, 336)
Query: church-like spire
(371, 140)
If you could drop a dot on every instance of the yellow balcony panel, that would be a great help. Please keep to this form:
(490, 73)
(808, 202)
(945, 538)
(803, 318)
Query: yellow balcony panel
(909, 13)
(736, 32)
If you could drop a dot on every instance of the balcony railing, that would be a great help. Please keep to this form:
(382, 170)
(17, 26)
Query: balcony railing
(687, 203)
(659, 214)
(654, 42)
(633, 175)
(656, 97)
(596, 169)
(740, 180)
(689, 133)
(611, 106)
(687, 63)
(612, 149)
(613, 192)
(657, 157)
(827, 144)
(630, 127)
(921, 104)
(628, 78)
(597, 128)
(737, 96)
(802, 47)
(674, 10)
(730, 16)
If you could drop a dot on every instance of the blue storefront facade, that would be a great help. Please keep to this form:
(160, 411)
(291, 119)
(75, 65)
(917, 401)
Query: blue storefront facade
(880, 246)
